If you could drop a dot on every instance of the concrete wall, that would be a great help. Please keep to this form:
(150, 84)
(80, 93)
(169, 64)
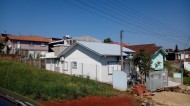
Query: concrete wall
(10, 57)
(187, 66)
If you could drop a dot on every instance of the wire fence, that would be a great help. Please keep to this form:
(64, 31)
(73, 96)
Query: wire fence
(38, 62)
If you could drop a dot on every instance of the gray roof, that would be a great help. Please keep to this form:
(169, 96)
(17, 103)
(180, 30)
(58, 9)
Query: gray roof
(101, 49)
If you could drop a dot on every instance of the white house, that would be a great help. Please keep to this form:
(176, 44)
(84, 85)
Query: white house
(90, 59)
(186, 55)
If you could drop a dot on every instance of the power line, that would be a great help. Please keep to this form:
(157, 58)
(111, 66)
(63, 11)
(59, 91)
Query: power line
(111, 15)
(149, 19)
(136, 19)
(104, 14)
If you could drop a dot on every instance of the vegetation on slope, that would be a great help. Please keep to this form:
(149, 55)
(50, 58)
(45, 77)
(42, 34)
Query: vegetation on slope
(38, 83)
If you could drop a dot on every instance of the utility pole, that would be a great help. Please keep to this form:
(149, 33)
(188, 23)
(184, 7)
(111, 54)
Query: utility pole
(121, 48)
(182, 71)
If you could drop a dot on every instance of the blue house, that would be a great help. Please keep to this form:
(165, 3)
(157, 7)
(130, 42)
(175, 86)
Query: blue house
(158, 54)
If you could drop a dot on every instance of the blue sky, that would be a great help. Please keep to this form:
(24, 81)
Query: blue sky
(163, 22)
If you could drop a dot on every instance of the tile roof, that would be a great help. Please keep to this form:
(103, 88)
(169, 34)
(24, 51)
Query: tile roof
(149, 48)
(30, 38)
(2, 40)
(100, 48)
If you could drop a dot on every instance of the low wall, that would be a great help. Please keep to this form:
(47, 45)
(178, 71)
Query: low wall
(178, 80)
(10, 57)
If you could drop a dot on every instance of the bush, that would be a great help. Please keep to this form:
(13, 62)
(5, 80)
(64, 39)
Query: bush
(186, 80)
(186, 73)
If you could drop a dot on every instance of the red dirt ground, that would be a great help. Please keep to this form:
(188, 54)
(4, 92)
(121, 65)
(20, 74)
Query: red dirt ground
(122, 100)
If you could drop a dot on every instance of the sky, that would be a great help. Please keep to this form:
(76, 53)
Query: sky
(165, 23)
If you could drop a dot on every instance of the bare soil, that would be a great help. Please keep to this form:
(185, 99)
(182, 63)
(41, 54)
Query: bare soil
(171, 99)
(122, 100)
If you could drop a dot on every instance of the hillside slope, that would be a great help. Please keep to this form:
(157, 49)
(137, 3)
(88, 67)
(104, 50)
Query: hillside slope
(38, 83)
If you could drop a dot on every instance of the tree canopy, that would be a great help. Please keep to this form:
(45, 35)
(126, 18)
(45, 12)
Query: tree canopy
(143, 62)
(107, 40)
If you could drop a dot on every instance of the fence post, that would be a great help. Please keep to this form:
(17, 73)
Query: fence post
(71, 67)
(39, 63)
(96, 72)
(82, 69)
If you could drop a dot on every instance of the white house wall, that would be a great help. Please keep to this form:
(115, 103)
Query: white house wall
(106, 76)
(82, 55)
(187, 66)
(87, 63)
(50, 64)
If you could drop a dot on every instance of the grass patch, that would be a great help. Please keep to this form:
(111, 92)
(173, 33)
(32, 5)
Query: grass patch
(186, 80)
(38, 83)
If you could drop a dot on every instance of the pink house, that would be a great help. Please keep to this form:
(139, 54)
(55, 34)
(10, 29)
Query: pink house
(28, 46)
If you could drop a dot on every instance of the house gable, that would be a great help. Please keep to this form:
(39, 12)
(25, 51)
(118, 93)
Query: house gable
(158, 61)
(82, 55)
(158, 54)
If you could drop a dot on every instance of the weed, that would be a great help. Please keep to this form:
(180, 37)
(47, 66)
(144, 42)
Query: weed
(38, 83)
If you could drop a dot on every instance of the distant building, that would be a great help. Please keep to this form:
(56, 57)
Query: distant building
(60, 45)
(27, 46)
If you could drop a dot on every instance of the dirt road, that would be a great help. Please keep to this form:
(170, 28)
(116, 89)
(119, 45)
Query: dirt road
(172, 99)
(123, 100)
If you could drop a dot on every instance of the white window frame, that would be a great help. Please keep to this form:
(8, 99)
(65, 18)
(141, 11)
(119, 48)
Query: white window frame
(74, 65)
(112, 66)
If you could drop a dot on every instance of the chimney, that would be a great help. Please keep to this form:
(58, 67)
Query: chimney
(66, 39)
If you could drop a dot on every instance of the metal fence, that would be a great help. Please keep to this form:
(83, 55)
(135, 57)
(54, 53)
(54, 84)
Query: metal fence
(157, 80)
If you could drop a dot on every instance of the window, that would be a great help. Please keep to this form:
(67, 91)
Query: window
(112, 66)
(31, 43)
(110, 69)
(57, 63)
(42, 44)
(74, 65)
(65, 66)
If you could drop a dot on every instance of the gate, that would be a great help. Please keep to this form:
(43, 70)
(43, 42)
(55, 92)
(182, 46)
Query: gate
(157, 80)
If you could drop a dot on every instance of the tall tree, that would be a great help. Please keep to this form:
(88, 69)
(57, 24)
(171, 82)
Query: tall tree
(107, 40)
(143, 62)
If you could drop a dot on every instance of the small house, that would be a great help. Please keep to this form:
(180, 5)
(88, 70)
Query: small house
(158, 54)
(90, 59)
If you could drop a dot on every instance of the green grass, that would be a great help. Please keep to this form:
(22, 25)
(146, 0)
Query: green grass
(38, 83)
(186, 80)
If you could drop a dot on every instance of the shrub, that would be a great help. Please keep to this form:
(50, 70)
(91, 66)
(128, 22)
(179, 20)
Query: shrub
(186, 80)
